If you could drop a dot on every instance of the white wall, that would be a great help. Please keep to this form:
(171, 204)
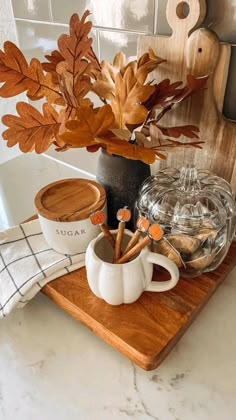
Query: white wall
(7, 32)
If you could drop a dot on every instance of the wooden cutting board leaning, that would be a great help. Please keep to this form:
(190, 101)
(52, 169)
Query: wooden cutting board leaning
(198, 52)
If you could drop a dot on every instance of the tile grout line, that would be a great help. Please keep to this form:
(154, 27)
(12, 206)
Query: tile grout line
(97, 28)
(98, 45)
(101, 29)
(155, 17)
(14, 21)
(43, 22)
(50, 10)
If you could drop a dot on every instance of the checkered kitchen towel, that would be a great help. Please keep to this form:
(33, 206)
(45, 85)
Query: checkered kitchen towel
(27, 263)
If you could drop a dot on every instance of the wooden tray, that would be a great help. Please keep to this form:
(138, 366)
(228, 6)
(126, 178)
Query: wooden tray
(147, 330)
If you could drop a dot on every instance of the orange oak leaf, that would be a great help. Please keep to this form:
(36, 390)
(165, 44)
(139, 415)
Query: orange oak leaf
(74, 47)
(74, 89)
(129, 96)
(104, 87)
(146, 64)
(74, 92)
(122, 133)
(31, 130)
(18, 76)
(77, 47)
(50, 67)
(90, 124)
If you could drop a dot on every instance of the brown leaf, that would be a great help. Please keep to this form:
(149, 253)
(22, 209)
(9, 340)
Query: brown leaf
(31, 130)
(146, 64)
(163, 91)
(18, 76)
(71, 47)
(167, 95)
(54, 59)
(158, 143)
(90, 124)
(79, 64)
(74, 65)
(189, 131)
(141, 138)
(194, 84)
(104, 87)
(93, 149)
(77, 47)
(129, 96)
(74, 89)
(122, 133)
(119, 62)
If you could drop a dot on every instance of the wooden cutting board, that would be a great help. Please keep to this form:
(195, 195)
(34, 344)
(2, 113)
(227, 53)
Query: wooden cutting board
(147, 330)
(198, 52)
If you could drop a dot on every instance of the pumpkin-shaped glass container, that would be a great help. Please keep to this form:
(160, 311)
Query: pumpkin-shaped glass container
(197, 212)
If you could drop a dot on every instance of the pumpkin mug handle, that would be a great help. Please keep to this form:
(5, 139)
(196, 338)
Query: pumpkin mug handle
(166, 263)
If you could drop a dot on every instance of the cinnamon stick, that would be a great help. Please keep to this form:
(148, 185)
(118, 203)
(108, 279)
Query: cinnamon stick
(142, 226)
(123, 215)
(154, 233)
(134, 251)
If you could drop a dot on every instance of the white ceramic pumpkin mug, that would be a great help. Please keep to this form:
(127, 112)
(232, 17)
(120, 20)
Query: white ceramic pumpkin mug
(124, 283)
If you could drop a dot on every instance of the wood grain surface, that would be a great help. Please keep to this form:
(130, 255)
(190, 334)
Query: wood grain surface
(69, 200)
(197, 52)
(147, 330)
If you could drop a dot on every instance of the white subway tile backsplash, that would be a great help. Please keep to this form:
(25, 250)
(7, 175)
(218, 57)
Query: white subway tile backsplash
(112, 42)
(32, 9)
(38, 39)
(120, 14)
(162, 27)
(220, 17)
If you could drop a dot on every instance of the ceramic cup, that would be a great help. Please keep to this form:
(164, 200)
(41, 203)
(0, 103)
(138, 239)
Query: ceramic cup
(124, 283)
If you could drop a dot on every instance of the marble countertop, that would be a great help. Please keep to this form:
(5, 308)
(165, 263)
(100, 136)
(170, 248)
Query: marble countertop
(53, 368)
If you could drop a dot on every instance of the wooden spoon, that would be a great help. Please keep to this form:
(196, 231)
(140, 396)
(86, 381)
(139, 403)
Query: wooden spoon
(142, 226)
(123, 215)
(155, 233)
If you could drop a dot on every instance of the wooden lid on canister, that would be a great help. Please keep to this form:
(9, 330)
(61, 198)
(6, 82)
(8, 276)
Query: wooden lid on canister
(70, 200)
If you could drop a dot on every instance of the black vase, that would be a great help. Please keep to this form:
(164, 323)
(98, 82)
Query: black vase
(121, 179)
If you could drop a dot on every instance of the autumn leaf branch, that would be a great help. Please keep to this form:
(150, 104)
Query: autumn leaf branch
(126, 124)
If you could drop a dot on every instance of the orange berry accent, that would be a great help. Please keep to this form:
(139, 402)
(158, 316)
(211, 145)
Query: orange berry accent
(123, 215)
(155, 232)
(143, 224)
(98, 218)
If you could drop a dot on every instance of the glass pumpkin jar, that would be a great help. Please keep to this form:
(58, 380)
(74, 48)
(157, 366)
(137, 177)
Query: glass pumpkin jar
(197, 212)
